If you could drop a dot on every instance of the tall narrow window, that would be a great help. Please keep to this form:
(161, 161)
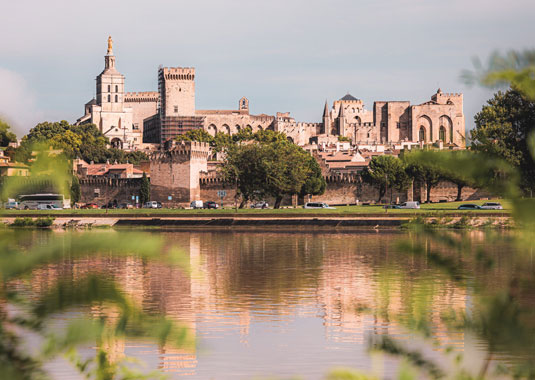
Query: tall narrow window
(442, 134)
(116, 98)
(109, 98)
(109, 88)
(451, 134)
(116, 88)
(176, 109)
(422, 133)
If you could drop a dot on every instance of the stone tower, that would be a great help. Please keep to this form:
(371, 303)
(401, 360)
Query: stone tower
(110, 84)
(175, 172)
(326, 120)
(177, 91)
(341, 121)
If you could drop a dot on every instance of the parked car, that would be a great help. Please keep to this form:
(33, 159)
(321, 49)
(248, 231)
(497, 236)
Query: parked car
(46, 206)
(11, 205)
(410, 204)
(492, 206)
(89, 206)
(210, 204)
(126, 205)
(469, 206)
(261, 204)
(152, 204)
(196, 204)
(317, 205)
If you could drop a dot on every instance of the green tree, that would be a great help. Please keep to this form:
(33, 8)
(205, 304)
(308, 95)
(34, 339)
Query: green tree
(386, 172)
(199, 135)
(315, 183)
(6, 136)
(424, 173)
(271, 166)
(144, 191)
(503, 127)
(75, 190)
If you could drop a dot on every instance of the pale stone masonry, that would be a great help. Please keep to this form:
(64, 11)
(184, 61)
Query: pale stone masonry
(175, 171)
(137, 120)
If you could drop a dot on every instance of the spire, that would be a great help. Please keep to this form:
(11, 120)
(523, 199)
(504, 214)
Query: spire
(110, 46)
(326, 110)
(109, 58)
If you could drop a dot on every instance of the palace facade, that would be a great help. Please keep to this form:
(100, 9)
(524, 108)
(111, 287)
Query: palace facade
(135, 120)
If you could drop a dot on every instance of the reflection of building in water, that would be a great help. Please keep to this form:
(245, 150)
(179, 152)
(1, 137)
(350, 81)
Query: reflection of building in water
(350, 283)
(238, 279)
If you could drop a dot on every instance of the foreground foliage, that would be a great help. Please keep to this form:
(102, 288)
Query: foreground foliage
(22, 317)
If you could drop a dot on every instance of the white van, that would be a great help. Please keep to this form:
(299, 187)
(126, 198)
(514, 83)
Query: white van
(321, 205)
(196, 204)
(411, 204)
(45, 206)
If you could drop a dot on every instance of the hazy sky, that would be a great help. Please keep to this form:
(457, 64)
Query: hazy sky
(287, 55)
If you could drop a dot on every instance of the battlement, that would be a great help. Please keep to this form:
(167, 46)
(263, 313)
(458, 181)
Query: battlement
(111, 182)
(142, 96)
(178, 73)
(182, 150)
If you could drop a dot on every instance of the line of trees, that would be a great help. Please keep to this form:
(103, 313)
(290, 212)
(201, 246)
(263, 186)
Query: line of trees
(390, 172)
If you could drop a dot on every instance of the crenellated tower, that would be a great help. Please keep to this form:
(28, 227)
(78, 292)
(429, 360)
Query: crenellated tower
(177, 91)
(176, 170)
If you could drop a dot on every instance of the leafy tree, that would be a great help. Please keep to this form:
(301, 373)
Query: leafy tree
(386, 172)
(425, 173)
(75, 190)
(315, 183)
(6, 136)
(272, 166)
(343, 139)
(199, 135)
(245, 167)
(503, 128)
(144, 191)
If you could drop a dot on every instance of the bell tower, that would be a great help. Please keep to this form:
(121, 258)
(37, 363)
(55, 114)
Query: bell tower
(110, 84)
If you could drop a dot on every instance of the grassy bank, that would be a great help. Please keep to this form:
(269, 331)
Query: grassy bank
(426, 209)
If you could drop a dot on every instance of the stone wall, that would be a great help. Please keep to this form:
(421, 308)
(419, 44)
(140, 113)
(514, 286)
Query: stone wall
(338, 192)
(102, 191)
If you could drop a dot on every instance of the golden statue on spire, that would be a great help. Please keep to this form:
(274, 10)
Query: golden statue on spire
(110, 45)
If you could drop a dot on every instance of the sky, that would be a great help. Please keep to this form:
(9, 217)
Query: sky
(283, 55)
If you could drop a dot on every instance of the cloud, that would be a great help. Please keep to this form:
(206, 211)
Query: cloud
(18, 104)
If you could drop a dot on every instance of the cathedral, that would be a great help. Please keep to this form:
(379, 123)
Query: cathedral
(140, 120)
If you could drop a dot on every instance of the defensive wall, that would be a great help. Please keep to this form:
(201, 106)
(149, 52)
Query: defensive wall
(104, 190)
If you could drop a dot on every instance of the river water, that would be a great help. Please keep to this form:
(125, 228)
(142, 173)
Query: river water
(283, 304)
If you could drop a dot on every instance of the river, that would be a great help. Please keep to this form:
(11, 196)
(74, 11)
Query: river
(282, 304)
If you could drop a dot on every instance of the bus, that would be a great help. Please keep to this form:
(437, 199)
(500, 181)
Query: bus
(32, 201)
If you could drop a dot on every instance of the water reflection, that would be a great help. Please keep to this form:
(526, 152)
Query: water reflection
(264, 303)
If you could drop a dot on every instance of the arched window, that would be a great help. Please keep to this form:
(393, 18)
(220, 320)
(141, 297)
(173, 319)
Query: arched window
(116, 88)
(442, 134)
(116, 98)
(109, 98)
(422, 133)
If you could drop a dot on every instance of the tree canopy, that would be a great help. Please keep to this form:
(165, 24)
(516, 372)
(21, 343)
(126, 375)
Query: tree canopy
(386, 172)
(77, 141)
(503, 128)
(6, 136)
(271, 165)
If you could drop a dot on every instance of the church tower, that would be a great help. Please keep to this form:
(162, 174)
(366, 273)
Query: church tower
(110, 84)
(326, 120)
(341, 122)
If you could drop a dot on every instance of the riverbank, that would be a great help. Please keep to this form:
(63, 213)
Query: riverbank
(271, 221)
